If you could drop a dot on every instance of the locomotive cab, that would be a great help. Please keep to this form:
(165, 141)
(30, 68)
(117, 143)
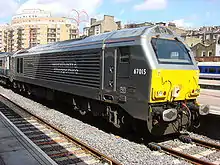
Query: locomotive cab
(174, 84)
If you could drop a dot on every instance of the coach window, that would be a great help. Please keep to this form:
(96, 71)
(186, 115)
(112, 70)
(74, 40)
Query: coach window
(124, 54)
(21, 65)
(212, 70)
(0, 63)
(18, 65)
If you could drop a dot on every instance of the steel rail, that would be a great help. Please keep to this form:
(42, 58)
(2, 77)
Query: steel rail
(206, 144)
(188, 157)
(70, 137)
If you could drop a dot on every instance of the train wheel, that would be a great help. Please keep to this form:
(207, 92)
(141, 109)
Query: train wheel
(14, 85)
(82, 106)
(82, 112)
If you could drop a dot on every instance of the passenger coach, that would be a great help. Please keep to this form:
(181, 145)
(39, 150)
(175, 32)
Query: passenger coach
(209, 70)
(142, 77)
(4, 67)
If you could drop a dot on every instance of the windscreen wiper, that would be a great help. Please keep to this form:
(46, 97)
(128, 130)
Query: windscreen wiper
(185, 49)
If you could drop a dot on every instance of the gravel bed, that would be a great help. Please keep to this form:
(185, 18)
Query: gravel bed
(213, 157)
(123, 150)
(194, 150)
(173, 143)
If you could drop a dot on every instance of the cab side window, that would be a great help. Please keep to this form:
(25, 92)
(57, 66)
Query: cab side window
(124, 54)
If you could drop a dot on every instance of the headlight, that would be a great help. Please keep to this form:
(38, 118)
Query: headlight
(195, 92)
(160, 94)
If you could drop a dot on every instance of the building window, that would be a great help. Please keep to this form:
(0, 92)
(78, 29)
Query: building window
(207, 37)
(210, 53)
(203, 54)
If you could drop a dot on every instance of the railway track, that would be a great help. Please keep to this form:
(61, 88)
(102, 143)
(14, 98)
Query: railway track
(193, 150)
(58, 145)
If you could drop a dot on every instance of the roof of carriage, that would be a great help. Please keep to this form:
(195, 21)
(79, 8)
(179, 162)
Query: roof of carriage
(208, 63)
(95, 39)
(2, 54)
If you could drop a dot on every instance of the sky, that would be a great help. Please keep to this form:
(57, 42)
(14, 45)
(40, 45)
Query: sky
(185, 13)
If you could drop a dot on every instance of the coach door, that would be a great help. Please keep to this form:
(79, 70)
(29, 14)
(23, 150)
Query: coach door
(110, 65)
(12, 68)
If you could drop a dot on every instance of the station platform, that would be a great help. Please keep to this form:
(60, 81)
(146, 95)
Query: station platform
(212, 98)
(209, 84)
(17, 149)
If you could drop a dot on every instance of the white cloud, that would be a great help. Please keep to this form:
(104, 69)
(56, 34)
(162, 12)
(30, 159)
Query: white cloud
(122, 12)
(98, 16)
(182, 23)
(8, 8)
(62, 8)
(122, 1)
(151, 5)
(207, 14)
